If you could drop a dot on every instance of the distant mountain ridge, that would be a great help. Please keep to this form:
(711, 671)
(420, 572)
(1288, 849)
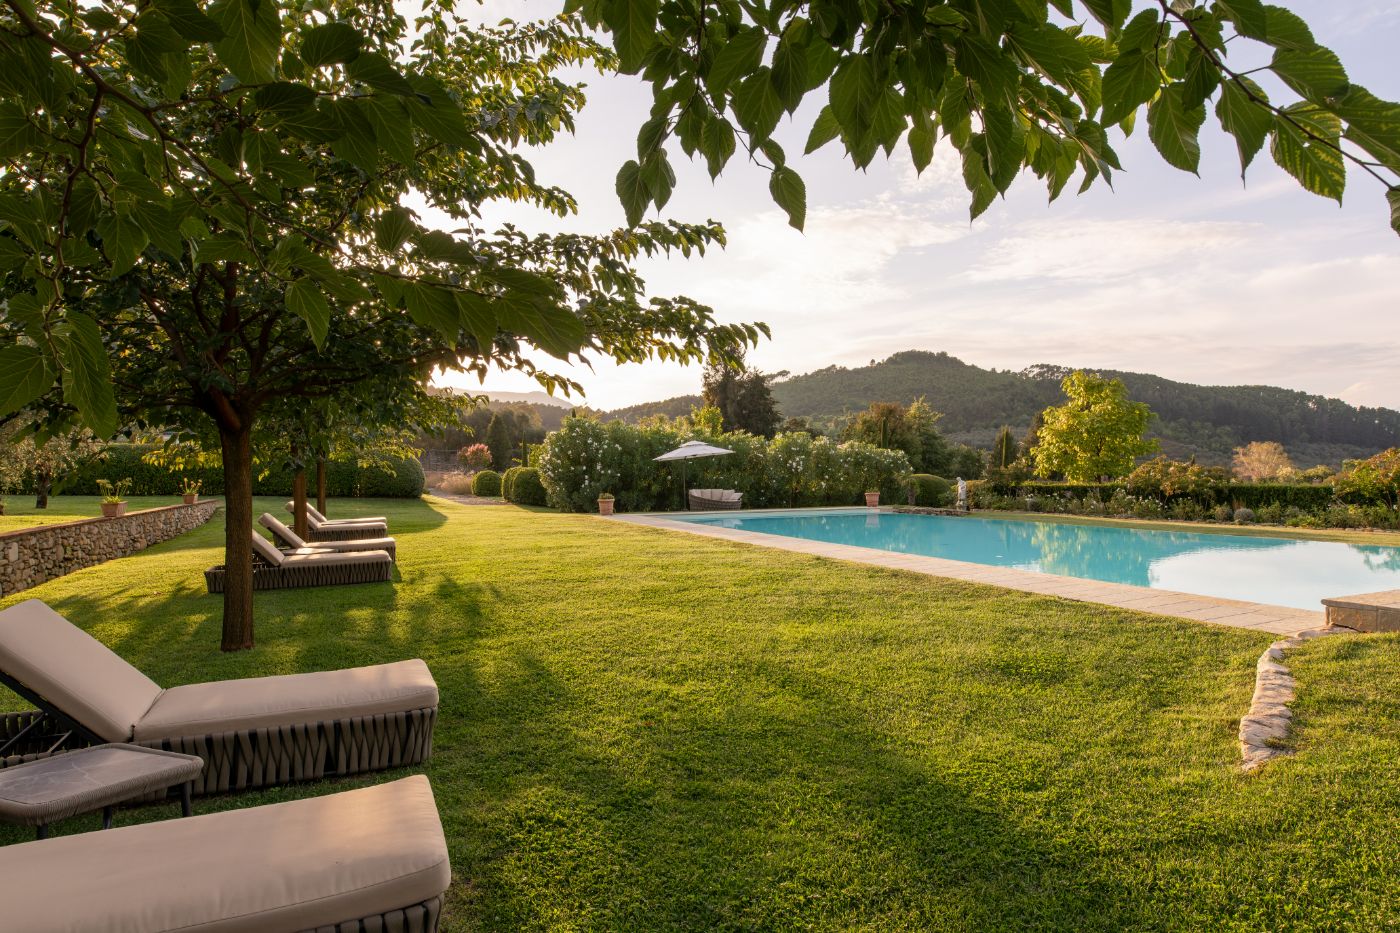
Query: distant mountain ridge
(1205, 421)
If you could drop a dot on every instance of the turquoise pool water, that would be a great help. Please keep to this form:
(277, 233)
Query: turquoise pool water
(1277, 571)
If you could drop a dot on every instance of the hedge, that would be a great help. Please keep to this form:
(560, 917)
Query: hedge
(1236, 495)
(508, 482)
(526, 487)
(486, 483)
(345, 478)
(930, 490)
(586, 458)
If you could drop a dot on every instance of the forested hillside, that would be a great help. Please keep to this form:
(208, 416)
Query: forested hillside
(1208, 421)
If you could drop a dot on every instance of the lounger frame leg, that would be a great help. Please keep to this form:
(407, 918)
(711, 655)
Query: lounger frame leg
(107, 817)
(185, 790)
(41, 831)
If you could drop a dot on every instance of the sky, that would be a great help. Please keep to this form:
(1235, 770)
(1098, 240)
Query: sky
(1203, 280)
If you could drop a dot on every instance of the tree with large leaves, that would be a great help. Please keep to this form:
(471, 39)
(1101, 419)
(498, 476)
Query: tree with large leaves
(1010, 84)
(1096, 434)
(209, 209)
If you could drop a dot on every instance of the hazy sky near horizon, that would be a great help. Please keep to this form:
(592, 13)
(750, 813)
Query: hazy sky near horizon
(1198, 279)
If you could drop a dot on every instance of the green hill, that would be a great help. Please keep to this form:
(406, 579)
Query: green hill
(1208, 421)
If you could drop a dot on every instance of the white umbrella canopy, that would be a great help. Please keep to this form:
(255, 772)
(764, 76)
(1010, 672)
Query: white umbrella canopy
(691, 450)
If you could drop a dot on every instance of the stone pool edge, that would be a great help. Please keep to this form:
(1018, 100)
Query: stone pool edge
(1259, 617)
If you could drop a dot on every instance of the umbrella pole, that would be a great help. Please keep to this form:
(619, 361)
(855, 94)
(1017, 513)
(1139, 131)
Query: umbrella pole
(685, 499)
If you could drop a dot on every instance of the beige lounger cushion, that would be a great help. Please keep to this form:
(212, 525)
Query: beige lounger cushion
(329, 558)
(316, 518)
(266, 550)
(261, 702)
(73, 671)
(284, 867)
(270, 522)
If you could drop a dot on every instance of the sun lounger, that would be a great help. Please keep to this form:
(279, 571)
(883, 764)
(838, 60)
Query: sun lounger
(298, 544)
(367, 859)
(320, 528)
(273, 570)
(251, 733)
(713, 500)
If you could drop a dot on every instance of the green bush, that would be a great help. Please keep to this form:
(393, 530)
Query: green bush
(508, 482)
(486, 483)
(345, 478)
(932, 490)
(585, 458)
(527, 488)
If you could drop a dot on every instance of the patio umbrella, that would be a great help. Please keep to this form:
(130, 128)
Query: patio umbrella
(691, 450)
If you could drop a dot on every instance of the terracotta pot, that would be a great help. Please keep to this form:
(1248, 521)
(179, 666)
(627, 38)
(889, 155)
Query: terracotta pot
(872, 499)
(190, 498)
(113, 509)
(605, 506)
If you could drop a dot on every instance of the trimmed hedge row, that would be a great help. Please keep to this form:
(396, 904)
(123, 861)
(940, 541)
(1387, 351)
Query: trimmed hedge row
(523, 486)
(1235, 495)
(930, 490)
(403, 479)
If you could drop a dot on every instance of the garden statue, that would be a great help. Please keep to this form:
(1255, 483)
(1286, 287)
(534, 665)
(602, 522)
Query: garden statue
(962, 494)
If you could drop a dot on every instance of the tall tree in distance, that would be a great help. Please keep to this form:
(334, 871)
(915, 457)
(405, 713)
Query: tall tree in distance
(498, 442)
(1097, 434)
(1261, 460)
(743, 396)
(1004, 449)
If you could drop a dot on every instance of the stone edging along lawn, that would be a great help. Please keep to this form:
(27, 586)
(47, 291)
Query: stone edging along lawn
(1269, 717)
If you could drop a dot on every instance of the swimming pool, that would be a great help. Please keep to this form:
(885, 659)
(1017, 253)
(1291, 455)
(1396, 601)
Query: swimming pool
(1261, 569)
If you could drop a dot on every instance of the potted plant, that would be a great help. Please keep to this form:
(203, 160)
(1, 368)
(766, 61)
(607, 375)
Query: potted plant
(605, 504)
(872, 498)
(189, 490)
(113, 501)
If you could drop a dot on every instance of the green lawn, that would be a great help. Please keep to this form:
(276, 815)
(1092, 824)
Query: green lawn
(645, 730)
(20, 511)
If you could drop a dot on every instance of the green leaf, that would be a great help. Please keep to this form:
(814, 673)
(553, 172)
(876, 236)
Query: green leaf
(122, 242)
(356, 143)
(252, 38)
(1049, 50)
(87, 382)
(985, 63)
(633, 192)
(305, 300)
(391, 127)
(1128, 83)
(717, 143)
(658, 177)
(1314, 73)
(740, 56)
(1174, 129)
(379, 73)
(824, 130)
(921, 141)
(24, 376)
(1111, 13)
(757, 104)
(1249, 17)
(17, 135)
(791, 79)
(790, 193)
(1142, 33)
(432, 307)
(1243, 119)
(392, 229)
(854, 95)
(189, 20)
(1372, 123)
(1393, 196)
(1286, 30)
(436, 112)
(633, 25)
(284, 97)
(978, 183)
(331, 44)
(1315, 163)
(478, 316)
(546, 325)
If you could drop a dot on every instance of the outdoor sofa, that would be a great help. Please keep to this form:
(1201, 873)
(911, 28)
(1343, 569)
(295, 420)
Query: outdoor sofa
(312, 566)
(321, 528)
(361, 860)
(298, 544)
(257, 732)
(715, 500)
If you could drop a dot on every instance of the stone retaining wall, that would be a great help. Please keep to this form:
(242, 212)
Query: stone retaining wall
(30, 556)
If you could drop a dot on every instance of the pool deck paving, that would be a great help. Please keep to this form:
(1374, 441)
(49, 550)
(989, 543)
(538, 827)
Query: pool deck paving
(1260, 617)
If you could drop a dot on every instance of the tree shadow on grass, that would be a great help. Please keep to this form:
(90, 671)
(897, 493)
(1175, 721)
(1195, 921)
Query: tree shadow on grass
(788, 812)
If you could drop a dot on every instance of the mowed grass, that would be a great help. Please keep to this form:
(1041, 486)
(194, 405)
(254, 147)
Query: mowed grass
(21, 513)
(646, 730)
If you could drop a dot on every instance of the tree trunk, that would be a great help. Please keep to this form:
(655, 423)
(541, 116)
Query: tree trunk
(321, 486)
(299, 523)
(238, 537)
(42, 483)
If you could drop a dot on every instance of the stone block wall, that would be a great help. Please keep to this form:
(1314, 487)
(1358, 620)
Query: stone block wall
(30, 556)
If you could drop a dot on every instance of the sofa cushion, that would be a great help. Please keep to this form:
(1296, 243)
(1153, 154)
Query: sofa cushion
(74, 672)
(288, 866)
(291, 699)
